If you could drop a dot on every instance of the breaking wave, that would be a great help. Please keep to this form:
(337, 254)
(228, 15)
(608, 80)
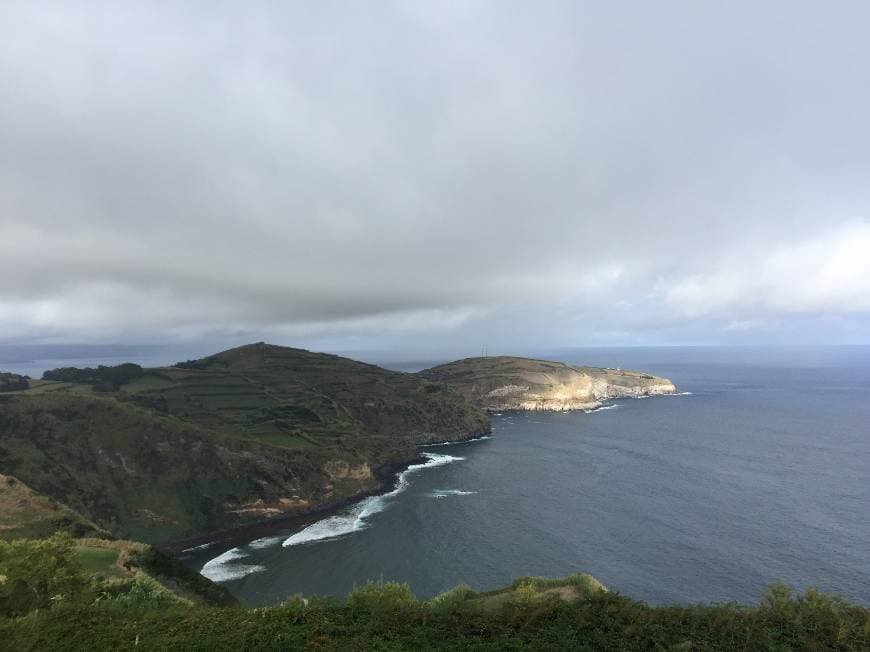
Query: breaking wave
(224, 567)
(460, 441)
(355, 518)
(265, 542)
(444, 493)
(602, 408)
(202, 547)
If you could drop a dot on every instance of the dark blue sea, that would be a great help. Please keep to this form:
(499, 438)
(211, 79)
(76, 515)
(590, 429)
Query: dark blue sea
(758, 472)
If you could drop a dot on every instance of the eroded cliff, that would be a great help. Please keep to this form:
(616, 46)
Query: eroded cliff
(510, 383)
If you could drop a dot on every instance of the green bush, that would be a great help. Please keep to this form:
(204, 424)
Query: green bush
(383, 602)
(103, 379)
(141, 594)
(40, 573)
(451, 600)
(13, 382)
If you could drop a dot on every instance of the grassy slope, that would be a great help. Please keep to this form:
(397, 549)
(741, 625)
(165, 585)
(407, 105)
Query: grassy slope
(27, 514)
(251, 433)
(119, 562)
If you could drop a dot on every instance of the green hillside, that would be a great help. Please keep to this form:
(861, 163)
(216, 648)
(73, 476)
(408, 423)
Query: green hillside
(27, 514)
(46, 547)
(252, 433)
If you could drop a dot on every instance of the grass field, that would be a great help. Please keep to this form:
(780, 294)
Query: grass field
(99, 561)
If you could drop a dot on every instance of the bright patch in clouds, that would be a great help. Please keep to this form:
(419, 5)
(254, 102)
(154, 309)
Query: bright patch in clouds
(827, 273)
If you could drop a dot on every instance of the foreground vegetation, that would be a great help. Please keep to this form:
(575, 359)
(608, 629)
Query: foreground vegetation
(58, 593)
(59, 572)
(388, 618)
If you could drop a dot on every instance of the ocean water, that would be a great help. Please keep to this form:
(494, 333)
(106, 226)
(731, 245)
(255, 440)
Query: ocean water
(759, 472)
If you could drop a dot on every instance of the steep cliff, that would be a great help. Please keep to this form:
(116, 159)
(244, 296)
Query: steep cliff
(509, 383)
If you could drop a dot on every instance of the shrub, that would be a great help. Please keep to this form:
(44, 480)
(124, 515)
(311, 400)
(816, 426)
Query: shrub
(383, 602)
(37, 574)
(104, 379)
(192, 364)
(13, 382)
(142, 594)
(525, 592)
(386, 617)
(451, 600)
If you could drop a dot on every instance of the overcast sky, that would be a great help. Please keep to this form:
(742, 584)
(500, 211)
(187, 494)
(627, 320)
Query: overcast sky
(414, 174)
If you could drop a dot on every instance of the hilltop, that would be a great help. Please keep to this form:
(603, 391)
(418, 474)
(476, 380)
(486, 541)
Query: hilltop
(511, 383)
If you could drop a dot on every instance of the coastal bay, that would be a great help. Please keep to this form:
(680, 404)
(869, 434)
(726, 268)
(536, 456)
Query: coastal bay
(673, 498)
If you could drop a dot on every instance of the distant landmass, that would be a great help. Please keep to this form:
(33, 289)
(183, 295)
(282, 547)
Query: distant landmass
(259, 432)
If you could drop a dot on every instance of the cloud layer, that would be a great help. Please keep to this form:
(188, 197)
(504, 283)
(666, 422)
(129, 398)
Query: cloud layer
(631, 173)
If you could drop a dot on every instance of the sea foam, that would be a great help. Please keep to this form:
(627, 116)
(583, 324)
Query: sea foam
(202, 547)
(602, 408)
(444, 493)
(224, 567)
(457, 442)
(265, 542)
(355, 518)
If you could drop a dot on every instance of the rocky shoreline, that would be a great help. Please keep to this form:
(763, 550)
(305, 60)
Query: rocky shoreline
(289, 524)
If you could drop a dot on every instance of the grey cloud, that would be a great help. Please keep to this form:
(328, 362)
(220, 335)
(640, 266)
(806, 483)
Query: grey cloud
(418, 167)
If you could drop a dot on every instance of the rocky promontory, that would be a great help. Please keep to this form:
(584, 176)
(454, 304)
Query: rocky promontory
(511, 383)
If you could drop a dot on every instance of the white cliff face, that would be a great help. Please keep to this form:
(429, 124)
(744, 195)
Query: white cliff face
(649, 389)
(521, 384)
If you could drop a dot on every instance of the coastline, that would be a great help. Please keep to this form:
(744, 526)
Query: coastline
(232, 556)
(388, 475)
(388, 478)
